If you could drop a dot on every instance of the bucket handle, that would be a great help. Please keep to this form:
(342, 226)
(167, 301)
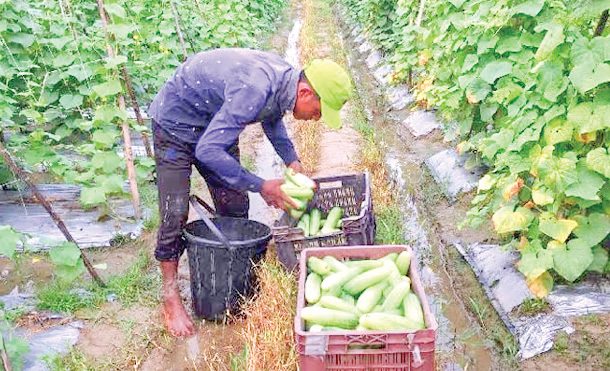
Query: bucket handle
(197, 202)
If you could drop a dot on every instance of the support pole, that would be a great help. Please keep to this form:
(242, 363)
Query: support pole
(43, 201)
(131, 172)
(178, 31)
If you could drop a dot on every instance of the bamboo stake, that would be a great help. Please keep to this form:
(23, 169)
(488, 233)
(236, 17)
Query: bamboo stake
(131, 173)
(602, 23)
(136, 109)
(6, 362)
(43, 201)
(178, 31)
(420, 14)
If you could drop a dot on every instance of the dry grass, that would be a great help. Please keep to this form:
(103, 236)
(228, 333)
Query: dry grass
(269, 329)
(307, 137)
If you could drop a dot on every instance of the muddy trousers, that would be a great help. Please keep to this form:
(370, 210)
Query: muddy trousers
(174, 160)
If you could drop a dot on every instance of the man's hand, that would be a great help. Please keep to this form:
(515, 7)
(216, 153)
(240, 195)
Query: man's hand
(273, 194)
(296, 166)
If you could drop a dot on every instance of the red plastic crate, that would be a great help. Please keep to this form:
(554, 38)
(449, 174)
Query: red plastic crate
(351, 192)
(355, 350)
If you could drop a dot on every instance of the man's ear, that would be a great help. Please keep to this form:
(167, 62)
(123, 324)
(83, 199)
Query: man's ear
(304, 90)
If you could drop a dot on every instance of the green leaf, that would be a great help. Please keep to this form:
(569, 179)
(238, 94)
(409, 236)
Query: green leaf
(495, 70)
(509, 44)
(111, 87)
(486, 42)
(557, 131)
(531, 8)
(593, 228)
(8, 241)
(24, 39)
(113, 63)
(106, 138)
(109, 162)
(573, 261)
(69, 101)
(112, 183)
(558, 229)
(554, 37)
(588, 184)
(533, 264)
(584, 119)
(589, 75)
(599, 160)
(470, 61)
(68, 273)
(90, 196)
(507, 219)
(551, 80)
(81, 73)
(457, 3)
(541, 195)
(600, 259)
(62, 60)
(477, 91)
(115, 10)
(558, 173)
(65, 254)
(108, 112)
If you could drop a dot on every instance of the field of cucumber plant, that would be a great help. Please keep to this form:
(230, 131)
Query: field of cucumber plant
(525, 87)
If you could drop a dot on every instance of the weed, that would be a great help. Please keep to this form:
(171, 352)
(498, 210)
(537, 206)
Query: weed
(532, 306)
(135, 285)
(390, 226)
(65, 298)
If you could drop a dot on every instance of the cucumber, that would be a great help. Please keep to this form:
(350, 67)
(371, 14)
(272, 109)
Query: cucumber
(318, 265)
(367, 279)
(329, 317)
(413, 309)
(394, 299)
(339, 278)
(333, 302)
(364, 264)
(314, 221)
(391, 256)
(332, 220)
(387, 321)
(316, 328)
(312, 288)
(370, 297)
(335, 264)
(403, 261)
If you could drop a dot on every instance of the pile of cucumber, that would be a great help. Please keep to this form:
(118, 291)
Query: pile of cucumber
(372, 294)
(301, 190)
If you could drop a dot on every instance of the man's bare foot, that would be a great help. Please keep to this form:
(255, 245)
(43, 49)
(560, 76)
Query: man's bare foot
(177, 320)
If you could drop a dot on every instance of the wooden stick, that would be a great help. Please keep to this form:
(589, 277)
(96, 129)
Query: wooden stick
(43, 201)
(602, 23)
(136, 109)
(178, 31)
(131, 172)
(420, 14)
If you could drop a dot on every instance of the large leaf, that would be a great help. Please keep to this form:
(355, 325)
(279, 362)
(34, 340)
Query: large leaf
(533, 264)
(495, 70)
(111, 87)
(600, 259)
(107, 161)
(558, 173)
(8, 241)
(558, 229)
(92, 196)
(554, 37)
(541, 195)
(573, 261)
(106, 138)
(542, 285)
(507, 219)
(69, 101)
(531, 7)
(589, 75)
(551, 80)
(584, 119)
(477, 91)
(65, 254)
(593, 228)
(587, 186)
(557, 131)
(599, 160)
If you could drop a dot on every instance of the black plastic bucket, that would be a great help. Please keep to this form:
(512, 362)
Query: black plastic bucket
(222, 277)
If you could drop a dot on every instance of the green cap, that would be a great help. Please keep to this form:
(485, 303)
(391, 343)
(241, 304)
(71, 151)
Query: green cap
(332, 84)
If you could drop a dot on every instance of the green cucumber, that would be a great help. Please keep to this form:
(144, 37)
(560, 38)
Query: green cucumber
(318, 265)
(387, 321)
(333, 302)
(413, 309)
(366, 279)
(337, 279)
(403, 261)
(329, 317)
(335, 264)
(312, 288)
(394, 299)
(314, 222)
(370, 297)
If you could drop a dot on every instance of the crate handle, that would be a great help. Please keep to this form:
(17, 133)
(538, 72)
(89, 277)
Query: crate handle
(417, 360)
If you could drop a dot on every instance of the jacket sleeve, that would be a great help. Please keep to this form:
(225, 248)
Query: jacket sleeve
(241, 106)
(276, 132)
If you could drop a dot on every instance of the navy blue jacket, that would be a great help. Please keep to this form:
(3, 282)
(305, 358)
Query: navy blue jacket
(215, 94)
